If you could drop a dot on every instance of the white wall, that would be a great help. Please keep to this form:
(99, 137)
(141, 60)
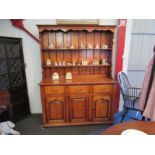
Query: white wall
(126, 54)
(141, 49)
(31, 51)
(139, 43)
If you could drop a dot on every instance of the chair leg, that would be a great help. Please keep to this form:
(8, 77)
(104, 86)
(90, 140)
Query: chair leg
(143, 118)
(124, 114)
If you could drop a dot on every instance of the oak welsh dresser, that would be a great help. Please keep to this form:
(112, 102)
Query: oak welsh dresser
(86, 52)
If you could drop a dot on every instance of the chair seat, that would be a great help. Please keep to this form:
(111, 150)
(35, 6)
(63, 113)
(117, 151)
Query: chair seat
(129, 104)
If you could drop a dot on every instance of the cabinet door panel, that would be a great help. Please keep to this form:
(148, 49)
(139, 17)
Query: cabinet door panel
(101, 107)
(55, 107)
(79, 108)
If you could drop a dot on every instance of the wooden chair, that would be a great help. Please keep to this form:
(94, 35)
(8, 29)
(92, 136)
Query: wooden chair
(130, 94)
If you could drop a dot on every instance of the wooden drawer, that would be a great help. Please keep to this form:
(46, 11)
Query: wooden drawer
(78, 89)
(102, 88)
(54, 89)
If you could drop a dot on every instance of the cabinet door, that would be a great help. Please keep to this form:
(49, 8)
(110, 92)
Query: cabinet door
(55, 107)
(79, 108)
(101, 107)
(12, 76)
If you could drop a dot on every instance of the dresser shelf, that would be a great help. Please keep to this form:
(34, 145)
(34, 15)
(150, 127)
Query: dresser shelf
(52, 66)
(76, 49)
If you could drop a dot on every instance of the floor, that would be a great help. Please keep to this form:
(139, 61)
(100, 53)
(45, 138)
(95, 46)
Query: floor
(32, 126)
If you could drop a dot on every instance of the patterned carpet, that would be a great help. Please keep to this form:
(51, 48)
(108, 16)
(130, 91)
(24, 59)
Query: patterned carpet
(32, 126)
